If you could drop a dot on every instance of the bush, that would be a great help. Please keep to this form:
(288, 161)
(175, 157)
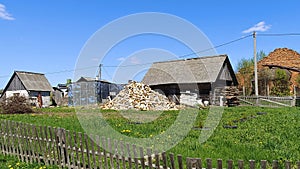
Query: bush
(281, 84)
(15, 105)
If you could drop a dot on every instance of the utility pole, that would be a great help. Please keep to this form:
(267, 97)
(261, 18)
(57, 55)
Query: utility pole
(99, 72)
(255, 65)
(99, 90)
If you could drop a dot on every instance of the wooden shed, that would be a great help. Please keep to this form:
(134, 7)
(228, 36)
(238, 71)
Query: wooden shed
(29, 84)
(89, 91)
(191, 79)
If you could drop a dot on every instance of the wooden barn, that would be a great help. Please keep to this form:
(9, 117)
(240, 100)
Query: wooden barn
(189, 80)
(31, 85)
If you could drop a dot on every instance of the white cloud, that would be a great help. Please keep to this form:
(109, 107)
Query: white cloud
(135, 60)
(131, 60)
(121, 59)
(4, 14)
(259, 27)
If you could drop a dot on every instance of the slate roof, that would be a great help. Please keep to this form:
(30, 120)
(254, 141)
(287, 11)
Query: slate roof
(34, 81)
(194, 70)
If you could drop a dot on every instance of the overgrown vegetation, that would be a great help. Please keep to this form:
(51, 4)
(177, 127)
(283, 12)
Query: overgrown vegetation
(15, 105)
(245, 72)
(281, 84)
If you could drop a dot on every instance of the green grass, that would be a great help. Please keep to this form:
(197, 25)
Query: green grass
(8, 162)
(272, 136)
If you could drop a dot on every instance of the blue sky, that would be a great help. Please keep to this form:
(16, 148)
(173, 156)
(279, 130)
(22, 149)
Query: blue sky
(47, 36)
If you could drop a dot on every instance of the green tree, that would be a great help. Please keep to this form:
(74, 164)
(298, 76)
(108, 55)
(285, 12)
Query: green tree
(281, 83)
(245, 72)
(298, 80)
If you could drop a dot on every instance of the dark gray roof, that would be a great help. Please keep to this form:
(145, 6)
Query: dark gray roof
(194, 70)
(91, 79)
(86, 79)
(34, 81)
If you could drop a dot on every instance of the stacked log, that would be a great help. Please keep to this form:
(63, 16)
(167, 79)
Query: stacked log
(139, 96)
(231, 93)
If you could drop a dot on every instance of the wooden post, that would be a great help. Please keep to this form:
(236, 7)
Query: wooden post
(149, 158)
(275, 164)
(240, 164)
(76, 143)
(209, 163)
(252, 164)
(219, 164)
(179, 159)
(86, 138)
(263, 164)
(288, 165)
(142, 157)
(188, 163)
(172, 161)
(229, 164)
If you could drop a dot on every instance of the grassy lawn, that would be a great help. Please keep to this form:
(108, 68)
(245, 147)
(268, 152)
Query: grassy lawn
(7, 162)
(274, 135)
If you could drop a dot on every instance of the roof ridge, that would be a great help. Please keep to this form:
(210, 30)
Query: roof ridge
(16, 71)
(196, 58)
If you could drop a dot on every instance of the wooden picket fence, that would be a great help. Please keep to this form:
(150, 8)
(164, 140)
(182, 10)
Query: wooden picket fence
(57, 146)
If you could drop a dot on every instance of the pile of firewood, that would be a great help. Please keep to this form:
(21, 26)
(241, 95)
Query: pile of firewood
(139, 96)
(231, 93)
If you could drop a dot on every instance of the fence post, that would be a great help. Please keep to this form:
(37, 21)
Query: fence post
(149, 153)
(86, 138)
(288, 165)
(219, 164)
(164, 158)
(240, 164)
(263, 164)
(209, 163)
(76, 143)
(229, 164)
(172, 161)
(142, 157)
(252, 164)
(180, 164)
(275, 164)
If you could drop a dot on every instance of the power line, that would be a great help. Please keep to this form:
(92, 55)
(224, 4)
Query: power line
(143, 64)
(279, 34)
(224, 44)
(182, 56)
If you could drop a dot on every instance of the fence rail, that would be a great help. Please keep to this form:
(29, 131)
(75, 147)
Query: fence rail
(57, 146)
(268, 101)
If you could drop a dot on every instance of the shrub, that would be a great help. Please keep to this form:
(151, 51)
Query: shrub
(281, 84)
(15, 105)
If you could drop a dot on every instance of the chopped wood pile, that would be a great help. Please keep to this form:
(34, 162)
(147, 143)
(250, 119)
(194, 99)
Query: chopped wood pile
(139, 96)
(231, 93)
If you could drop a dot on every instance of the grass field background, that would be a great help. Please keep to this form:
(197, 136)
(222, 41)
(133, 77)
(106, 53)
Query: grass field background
(261, 133)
